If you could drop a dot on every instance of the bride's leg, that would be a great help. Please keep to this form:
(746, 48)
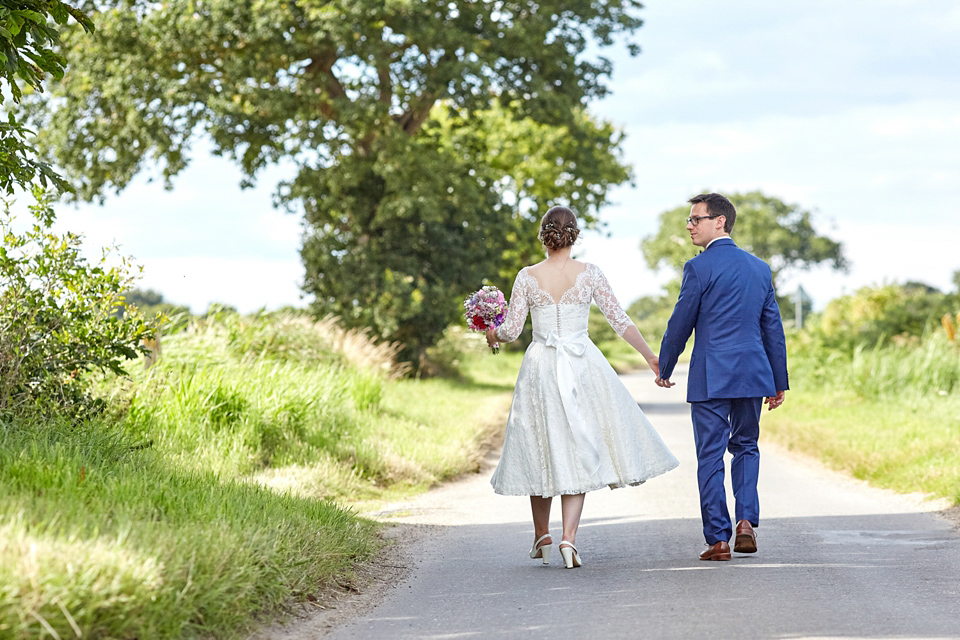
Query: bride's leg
(541, 515)
(571, 506)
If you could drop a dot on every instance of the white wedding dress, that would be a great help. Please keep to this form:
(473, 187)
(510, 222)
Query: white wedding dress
(573, 426)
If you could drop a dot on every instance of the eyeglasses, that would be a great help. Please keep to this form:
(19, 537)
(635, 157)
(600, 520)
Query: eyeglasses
(695, 220)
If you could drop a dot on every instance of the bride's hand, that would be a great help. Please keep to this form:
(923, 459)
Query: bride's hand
(654, 364)
(492, 338)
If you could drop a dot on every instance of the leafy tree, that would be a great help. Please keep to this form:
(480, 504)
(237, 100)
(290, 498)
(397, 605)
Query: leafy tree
(651, 314)
(426, 136)
(956, 280)
(779, 233)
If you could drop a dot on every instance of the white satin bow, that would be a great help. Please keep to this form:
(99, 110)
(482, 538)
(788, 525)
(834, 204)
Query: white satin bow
(569, 347)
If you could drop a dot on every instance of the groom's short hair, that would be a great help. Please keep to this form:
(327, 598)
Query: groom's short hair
(718, 205)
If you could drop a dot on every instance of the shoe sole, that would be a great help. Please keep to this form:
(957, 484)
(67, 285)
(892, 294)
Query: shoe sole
(745, 544)
(717, 556)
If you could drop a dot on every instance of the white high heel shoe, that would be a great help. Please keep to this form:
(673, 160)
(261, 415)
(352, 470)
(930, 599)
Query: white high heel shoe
(571, 558)
(541, 552)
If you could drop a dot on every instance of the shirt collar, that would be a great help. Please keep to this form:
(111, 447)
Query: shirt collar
(715, 239)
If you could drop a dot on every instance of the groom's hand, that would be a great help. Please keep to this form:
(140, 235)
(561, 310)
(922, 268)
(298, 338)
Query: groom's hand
(775, 401)
(664, 382)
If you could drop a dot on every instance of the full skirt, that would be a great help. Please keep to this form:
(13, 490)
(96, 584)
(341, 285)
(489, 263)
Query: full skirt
(541, 456)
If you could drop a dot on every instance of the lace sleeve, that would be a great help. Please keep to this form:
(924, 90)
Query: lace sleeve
(517, 310)
(607, 301)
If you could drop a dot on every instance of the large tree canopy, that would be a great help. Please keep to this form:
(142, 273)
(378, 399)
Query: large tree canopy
(780, 234)
(426, 134)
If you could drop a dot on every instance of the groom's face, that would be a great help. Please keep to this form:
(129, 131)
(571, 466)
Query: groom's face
(706, 229)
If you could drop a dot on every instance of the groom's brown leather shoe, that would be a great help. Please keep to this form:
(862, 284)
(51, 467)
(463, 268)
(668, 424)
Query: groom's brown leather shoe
(719, 551)
(746, 541)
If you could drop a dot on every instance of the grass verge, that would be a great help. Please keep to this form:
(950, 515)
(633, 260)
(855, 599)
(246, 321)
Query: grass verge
(219, 489)
(905, 444)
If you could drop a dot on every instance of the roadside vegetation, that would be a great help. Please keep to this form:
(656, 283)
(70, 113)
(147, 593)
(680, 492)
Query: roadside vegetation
(221, 484)
(876, 389)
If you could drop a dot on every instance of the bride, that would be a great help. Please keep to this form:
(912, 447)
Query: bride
(573, 426)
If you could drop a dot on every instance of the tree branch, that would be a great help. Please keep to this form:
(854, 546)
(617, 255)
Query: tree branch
(322, 65)
(412, 119)
(386, 88)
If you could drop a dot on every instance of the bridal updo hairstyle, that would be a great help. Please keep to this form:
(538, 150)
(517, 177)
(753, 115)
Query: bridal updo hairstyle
(558, 228)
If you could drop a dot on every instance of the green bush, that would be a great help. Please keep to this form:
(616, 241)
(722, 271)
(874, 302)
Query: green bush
(58, 318)
(873, 316)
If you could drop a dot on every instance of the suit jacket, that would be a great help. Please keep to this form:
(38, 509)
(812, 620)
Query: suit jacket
(739, 351)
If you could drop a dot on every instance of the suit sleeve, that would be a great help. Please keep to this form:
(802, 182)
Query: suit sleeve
(774, 342)
(682, 321)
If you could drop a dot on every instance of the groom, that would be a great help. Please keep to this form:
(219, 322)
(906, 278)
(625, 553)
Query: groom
(739, 358)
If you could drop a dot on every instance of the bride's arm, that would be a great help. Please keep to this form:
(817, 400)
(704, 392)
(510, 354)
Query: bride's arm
(621, 322)
(633, 336)
(516, 313)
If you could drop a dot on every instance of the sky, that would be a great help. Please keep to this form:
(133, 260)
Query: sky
(848, 108)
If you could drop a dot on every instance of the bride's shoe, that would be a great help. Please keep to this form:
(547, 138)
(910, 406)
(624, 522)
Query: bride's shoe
(539, 551)
(571, 558)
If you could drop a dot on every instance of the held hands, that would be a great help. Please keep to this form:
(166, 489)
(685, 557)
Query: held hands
(775, 401)
(654, 363)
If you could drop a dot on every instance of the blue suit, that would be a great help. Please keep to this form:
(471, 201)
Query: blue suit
(739, 357)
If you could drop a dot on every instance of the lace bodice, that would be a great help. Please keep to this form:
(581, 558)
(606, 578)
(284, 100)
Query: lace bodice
(527, 295)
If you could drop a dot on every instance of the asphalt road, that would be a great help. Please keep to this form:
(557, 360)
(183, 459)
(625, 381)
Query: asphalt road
(836, 559)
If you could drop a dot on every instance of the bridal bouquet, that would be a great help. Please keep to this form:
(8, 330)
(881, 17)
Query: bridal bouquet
(484, 310)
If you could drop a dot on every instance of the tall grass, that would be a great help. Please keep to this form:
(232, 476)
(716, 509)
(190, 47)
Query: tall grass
(930, 365)
(111, 541)
(208, 495)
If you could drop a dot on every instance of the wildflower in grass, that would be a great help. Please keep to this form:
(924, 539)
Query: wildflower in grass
(948, 326)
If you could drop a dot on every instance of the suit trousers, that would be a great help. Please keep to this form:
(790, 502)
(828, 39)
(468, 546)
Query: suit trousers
(729, 424)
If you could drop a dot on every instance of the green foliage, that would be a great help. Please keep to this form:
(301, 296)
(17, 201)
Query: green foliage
(150, 303)
(27, 54)
(906, 442)
(28, 42)
(58, 318)
(286, 390)
(874, 316)
(425, 136)
(651, 314)
(780, 234)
